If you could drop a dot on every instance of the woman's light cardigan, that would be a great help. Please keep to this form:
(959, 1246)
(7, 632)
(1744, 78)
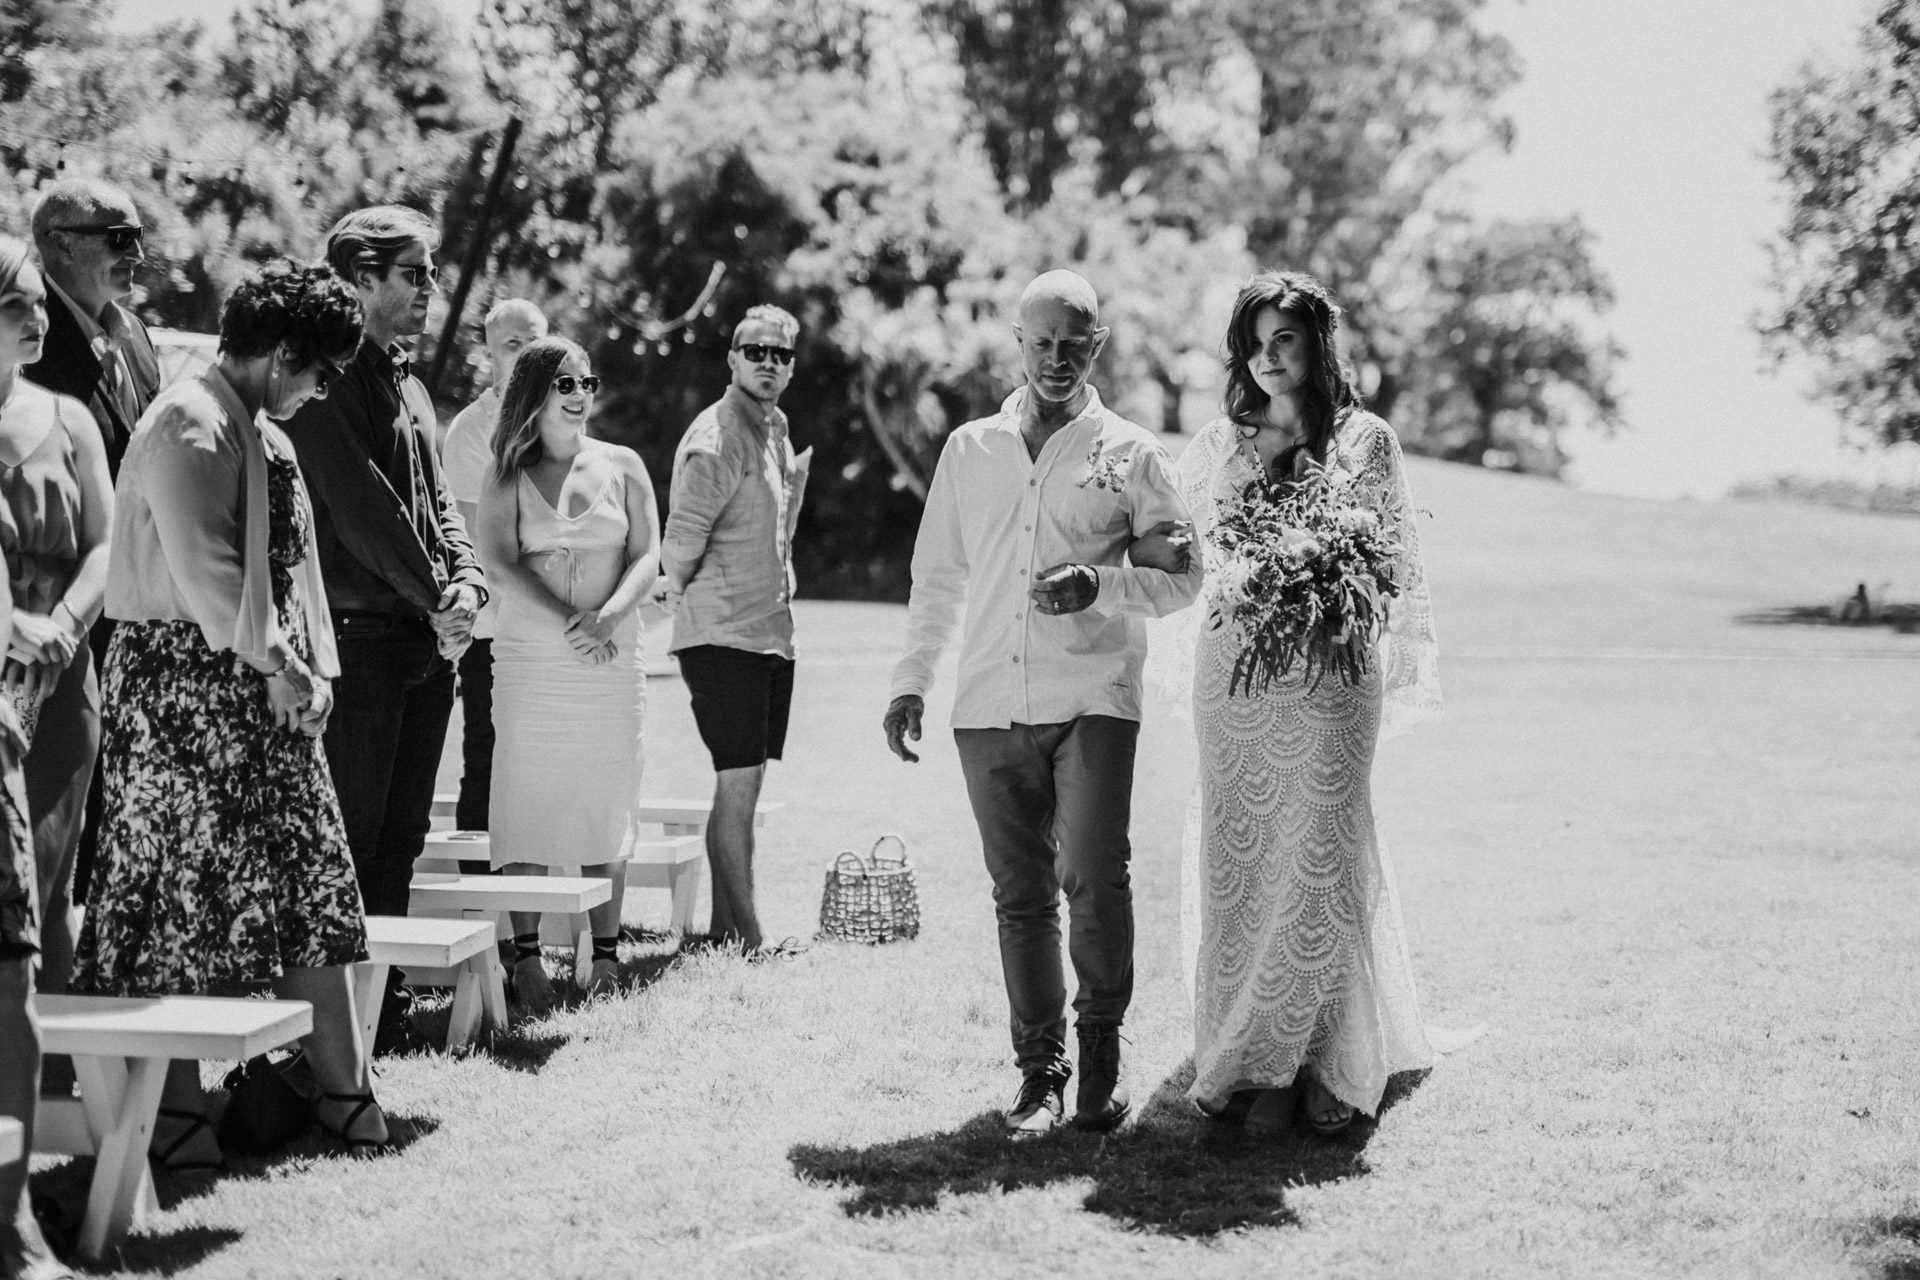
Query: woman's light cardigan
(190, 527)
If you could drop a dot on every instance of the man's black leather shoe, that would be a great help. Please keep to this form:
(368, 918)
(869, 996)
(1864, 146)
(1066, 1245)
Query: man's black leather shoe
(1038, 1106)
(1101, 1104)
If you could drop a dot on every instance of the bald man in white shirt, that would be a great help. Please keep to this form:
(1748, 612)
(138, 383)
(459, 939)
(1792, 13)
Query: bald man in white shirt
(1025, 532)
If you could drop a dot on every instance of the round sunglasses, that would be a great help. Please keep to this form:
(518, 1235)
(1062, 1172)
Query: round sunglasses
(565, 383)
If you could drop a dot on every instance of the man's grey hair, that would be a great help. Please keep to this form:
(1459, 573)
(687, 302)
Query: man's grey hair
(71, 201)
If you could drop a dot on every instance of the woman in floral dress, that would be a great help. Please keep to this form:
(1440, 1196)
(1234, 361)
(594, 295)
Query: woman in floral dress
(223, 857)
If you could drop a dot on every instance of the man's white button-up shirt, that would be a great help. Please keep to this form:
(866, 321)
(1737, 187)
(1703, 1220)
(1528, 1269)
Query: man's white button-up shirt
(994, 520)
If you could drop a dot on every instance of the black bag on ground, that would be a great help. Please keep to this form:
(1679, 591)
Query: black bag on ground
(264, 1109)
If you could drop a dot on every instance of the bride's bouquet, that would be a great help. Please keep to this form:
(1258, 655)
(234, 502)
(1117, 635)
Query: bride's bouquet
(1305, 568)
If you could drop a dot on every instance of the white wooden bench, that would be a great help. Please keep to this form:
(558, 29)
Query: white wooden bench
(689, 817)
(12, 1135)
(566, 899)
(120, 1049)
(673, 863)
(445, 850)
(435, 952)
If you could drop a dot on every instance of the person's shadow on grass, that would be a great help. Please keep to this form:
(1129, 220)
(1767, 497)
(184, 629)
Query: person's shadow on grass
(1167, 1171)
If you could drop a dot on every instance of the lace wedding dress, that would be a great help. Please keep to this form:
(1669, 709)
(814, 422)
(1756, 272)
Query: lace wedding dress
(1298, 955)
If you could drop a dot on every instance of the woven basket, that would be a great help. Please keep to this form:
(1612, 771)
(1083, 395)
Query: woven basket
(871, 899)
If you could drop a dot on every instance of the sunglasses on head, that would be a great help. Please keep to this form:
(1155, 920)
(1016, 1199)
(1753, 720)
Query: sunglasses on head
(418, 276)
(758, 353)
(120, 236)
(564, 383)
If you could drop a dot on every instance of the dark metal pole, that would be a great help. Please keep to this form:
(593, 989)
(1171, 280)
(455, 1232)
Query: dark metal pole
(476, 251)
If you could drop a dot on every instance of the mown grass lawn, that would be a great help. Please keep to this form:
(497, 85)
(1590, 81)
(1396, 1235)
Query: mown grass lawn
(1666, 854)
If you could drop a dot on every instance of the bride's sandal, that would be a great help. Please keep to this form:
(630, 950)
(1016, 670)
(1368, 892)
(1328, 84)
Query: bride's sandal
(344, 1131)
(168, 1159)
(1326, 1114)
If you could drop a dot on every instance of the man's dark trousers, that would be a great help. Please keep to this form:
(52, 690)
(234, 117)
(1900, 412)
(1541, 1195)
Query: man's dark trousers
(476, 737)
(1053, 802)
(390, 710)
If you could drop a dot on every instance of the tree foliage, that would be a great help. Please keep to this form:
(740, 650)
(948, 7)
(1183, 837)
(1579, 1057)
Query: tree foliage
(1846, 267)
(892, 171)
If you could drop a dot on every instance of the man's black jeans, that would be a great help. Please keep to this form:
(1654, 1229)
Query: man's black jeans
(390, 710)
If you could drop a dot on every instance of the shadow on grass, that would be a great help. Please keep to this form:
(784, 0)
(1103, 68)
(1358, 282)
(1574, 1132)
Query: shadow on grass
(60, 1198)
(1890, 1247)
(1902, 618)
(1169, 1171)
(165, 1253)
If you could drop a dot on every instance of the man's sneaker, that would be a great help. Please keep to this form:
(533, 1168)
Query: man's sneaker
(1039, 1105)
(1101, 1104)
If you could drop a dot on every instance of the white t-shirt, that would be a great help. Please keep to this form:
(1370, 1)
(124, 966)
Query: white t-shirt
(466, 456)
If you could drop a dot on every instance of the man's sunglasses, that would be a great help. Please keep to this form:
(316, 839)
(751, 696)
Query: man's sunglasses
(418, 277)
(120, 236)
(759, 353)
(564, 383)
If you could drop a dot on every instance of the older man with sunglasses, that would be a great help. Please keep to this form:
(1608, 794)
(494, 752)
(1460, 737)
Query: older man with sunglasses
(727, 553)
(402, 579)
(88, 236)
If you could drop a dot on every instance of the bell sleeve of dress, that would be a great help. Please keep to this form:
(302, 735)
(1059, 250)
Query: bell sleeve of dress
(1174, 641)
(1409, 647)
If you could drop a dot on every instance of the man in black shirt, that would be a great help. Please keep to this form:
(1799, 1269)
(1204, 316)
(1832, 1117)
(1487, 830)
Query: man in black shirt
(401, 575)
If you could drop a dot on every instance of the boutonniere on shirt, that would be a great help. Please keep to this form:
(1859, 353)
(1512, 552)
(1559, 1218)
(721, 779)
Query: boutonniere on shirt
(1104, 473)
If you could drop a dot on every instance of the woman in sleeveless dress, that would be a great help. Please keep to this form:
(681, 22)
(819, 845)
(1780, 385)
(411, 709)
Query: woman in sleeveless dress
(56, 514)
(1301, 975)
(570, 538)
(23, 1249)
(224, 864)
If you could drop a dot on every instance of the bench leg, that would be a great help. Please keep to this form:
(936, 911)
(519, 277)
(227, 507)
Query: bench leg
(683, 882)
(464, 1020)
(120, 1181)
(492, 977)
(369, 989)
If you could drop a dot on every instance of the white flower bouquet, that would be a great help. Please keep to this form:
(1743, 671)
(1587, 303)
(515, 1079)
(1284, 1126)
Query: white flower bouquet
(1303, 575)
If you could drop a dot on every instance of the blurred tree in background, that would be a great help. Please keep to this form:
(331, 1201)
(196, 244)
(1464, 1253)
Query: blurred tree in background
(1846, 142)
(892, 171)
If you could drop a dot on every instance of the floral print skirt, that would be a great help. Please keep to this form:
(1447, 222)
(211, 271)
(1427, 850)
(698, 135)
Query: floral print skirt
(223, 857)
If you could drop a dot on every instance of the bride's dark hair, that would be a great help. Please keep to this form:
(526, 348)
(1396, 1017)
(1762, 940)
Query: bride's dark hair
(1329, 391)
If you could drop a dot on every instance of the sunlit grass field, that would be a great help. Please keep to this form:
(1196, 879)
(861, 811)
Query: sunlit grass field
(1663, 844)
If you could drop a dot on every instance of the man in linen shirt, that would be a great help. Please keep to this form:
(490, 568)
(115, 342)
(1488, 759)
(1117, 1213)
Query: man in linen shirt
(727, 553)
(1027, 522)
(467, 453)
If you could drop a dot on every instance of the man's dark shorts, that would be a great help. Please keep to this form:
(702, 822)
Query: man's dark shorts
(740, 702)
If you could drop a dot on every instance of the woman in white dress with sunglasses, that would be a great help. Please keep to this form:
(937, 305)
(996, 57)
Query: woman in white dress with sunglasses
(570, 539)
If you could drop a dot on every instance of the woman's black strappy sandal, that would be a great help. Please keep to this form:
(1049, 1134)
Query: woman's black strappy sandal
(355, 1146)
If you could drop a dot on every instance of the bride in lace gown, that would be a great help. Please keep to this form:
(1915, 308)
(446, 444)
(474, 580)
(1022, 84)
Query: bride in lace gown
(1301, 974)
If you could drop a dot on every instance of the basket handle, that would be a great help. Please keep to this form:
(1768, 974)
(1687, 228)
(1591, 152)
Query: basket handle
(859, 864)
(875, 857)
